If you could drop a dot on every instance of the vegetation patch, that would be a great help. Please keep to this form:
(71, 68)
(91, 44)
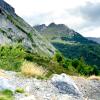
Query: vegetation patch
(90, 52)
(16, 58)
(6, 95)
(32, 69)
(19, 90)
(11, 57)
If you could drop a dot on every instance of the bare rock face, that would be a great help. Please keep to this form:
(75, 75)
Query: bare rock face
(65, 84)
(6, 6)
(40, 27)
(14, 29)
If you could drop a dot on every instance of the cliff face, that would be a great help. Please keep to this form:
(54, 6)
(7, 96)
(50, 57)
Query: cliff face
(14, 29)
(7, 7)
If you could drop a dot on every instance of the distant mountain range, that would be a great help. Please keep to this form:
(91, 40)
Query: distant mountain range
(70, 43)
(94, 39)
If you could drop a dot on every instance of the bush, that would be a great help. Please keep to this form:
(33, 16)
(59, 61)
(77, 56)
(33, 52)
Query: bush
(11, 57)
(73, 67)
(34, 57)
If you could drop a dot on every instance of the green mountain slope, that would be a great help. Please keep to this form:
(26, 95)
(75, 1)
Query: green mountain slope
(70, 43)
(14, 29)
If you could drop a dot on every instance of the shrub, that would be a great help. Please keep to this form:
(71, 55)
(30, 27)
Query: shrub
(34, 57)
(11, 57)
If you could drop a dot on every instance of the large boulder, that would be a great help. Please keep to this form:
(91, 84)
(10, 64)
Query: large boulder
(65, 85)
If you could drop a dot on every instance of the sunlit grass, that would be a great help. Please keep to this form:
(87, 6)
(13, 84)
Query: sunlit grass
(93, 77)
(32, 69)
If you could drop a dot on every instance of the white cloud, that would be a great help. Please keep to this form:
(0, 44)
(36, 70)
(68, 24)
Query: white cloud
(47, 11)
(94, 32)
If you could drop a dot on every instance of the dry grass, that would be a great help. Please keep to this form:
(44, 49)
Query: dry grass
(75, 78)
(2, 72)
(31, 69)
(93, 77)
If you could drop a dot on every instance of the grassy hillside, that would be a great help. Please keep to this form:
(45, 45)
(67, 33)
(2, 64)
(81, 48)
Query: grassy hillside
(13, 58)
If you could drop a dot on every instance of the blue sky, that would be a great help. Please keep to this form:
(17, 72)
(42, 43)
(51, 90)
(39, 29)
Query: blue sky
(81, 15)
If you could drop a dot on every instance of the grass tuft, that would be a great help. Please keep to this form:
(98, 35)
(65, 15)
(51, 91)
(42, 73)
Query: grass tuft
(32, 69)
(93, 77)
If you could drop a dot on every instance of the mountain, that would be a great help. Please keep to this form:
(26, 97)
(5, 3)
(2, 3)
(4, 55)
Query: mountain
(14, 29)
(61, 33)
(94, 39)
(70, 43)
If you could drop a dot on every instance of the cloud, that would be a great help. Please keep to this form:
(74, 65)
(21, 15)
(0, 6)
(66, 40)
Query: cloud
(90, 13)
(81, 15)
(94, 32)
(42, 18)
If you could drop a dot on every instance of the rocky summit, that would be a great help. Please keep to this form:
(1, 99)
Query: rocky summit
(14, 29)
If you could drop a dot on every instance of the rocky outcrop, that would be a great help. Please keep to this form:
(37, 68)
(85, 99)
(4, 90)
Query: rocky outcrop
(7, 7)
(65, 84)
(14, 29)
(40, 27)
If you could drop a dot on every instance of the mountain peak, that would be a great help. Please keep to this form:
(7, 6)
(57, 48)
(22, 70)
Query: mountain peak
(55, 29)
(5, 6)
(56, 25)
(40, 27)
(52, 24)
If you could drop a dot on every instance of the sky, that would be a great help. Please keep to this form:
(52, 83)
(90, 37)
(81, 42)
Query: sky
(81, 15)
